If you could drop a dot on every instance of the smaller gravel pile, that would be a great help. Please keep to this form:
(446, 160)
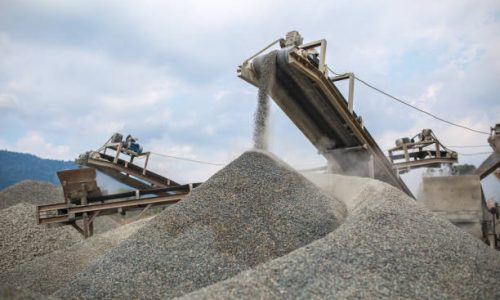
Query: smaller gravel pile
(390, 248)
(22, 239)
(47, 273)
(30, 191)
(252, 211)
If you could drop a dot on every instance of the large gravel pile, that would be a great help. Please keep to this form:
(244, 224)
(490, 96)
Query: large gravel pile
(390, 248)
(47, 273)
(254, 210)
(30, 191)
(22, 240)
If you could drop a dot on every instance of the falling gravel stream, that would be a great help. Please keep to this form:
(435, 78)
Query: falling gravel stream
(261, 117)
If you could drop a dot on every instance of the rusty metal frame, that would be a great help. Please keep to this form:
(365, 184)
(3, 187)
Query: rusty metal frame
(84, 208)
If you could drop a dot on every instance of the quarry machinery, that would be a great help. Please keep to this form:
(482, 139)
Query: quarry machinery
(461, 200)
(303, 89)
(124, 170)
(83, 200)
(492, 163)
(491, 211)
(422, 150)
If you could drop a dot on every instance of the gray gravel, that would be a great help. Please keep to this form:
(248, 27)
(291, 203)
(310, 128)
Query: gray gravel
(389, 248)
(47, 273)
(254, 210)
(12, 293)
(30, 191)
(22, 239)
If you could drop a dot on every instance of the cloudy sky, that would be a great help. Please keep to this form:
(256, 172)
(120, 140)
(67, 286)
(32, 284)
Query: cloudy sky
(74, 72)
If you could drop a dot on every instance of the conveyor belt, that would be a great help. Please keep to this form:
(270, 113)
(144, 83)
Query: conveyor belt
(491, 164)
(69, 213)
(125, 172)
(320, 111)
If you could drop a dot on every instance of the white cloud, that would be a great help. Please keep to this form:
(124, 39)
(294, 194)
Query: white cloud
(8, 102)
(33, 142)
(432, 90)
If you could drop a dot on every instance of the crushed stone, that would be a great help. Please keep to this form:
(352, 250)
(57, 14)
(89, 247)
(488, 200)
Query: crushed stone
(390, 248)
(32, 192)
(47, 273)
(22, 240)
(252, 211)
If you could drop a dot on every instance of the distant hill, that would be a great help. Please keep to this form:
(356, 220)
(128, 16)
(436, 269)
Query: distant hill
(16, 167)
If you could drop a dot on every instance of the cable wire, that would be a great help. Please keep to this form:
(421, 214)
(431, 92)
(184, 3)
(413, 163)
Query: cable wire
(412, 106)
(470, 146)
(188, 159)
(473, 154)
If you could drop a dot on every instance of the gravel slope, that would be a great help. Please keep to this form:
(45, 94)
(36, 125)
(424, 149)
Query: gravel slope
(47, 273)
(22, 239)
(30, 191)
(390, 248)
(252, 211)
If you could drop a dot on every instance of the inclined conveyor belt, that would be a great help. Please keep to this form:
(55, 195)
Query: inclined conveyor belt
(318, 109)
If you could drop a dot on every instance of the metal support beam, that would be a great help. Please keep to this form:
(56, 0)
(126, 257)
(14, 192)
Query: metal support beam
(322, 52)
(350, 96)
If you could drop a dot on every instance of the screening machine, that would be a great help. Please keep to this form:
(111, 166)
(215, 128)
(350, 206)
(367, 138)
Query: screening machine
(422, 150)
(303, 89)
(124, 170)
(84, 200)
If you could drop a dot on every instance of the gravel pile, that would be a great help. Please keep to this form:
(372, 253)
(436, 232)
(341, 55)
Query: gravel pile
(252, 211)
(22, 239)
(47, 273)
(389, 248)
(30, 191)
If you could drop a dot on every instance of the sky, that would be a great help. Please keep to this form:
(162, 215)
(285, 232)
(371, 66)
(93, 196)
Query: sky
(74, 72)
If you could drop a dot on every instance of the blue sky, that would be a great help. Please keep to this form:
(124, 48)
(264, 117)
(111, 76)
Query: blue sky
(74, 72)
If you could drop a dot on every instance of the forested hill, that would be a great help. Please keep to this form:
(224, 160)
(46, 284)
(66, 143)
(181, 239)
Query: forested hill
(16, 167)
